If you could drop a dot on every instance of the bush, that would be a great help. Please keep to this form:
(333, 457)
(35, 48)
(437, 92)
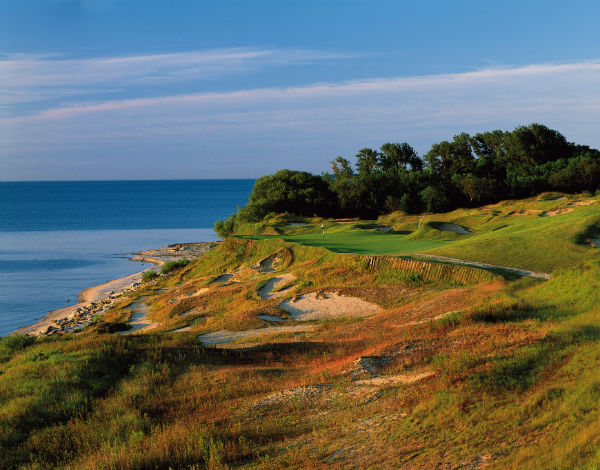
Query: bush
(149, 275)
(173, 265)
(13, 343)
(225, 228)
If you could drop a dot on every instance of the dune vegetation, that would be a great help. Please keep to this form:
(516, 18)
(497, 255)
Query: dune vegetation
(286, 348)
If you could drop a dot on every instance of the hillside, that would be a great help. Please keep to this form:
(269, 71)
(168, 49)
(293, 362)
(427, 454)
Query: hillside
(329, 343)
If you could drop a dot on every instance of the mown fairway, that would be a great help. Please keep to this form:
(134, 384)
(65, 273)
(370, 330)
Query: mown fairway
(356, 238)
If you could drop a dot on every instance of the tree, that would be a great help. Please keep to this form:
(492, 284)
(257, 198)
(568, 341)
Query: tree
(434, 199)
(449, 158)
(536, 144)
(399, 156)
(367, 161)
(477, 189)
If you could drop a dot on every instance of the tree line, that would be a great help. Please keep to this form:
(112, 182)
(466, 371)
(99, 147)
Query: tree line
(467, 171)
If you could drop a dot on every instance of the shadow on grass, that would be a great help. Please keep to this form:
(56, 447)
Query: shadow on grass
(524, 368)
(516, 313)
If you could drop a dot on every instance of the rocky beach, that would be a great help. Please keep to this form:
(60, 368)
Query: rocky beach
(96, 300)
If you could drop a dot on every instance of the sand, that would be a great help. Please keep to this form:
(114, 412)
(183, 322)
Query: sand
(328, 305)
(266, 291)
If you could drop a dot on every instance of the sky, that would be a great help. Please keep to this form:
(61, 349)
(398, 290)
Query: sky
(178, 89)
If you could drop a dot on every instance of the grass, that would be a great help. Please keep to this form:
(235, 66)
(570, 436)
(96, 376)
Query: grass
(170, 266)
(515, 384)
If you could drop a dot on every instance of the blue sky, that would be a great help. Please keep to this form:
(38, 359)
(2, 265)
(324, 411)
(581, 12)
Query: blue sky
(125, 89)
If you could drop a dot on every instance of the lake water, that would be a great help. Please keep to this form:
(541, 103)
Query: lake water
(57, 238)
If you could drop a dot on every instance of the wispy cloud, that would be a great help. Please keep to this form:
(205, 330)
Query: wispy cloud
(27, 77)
(307, 125)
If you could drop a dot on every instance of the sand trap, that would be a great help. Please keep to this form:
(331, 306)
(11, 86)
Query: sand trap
(328, 305)
(266, 291)
(384, 228)
(556, 212)
(297, 224)
(139, 317)
(595, 242)
(447, 227)
(389, 380)
(224, 336)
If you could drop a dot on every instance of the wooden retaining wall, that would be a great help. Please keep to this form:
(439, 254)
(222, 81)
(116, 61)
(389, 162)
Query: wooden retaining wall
(431, 271)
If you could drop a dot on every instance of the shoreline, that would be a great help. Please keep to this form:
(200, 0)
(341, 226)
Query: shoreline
(95, 300)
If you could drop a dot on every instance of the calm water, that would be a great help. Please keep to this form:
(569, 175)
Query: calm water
(57, 238)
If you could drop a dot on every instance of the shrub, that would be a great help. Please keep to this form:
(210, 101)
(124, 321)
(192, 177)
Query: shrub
(13, 343)
(173, 265)
(149, 275)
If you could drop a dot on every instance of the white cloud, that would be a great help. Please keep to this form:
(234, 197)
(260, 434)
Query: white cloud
(28, 77)
(305, 126)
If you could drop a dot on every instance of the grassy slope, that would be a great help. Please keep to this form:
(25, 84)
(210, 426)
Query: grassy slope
(501, 234)
(516, 385)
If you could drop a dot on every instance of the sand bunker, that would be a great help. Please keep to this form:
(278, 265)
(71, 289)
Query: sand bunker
(595, 242)
(266, 291)
(224, 336)
(555, 212)
(448, 227)
(297, 224)
(328, 305)
(139, 317)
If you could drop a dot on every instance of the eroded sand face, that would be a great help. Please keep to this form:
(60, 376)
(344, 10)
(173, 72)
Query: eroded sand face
(266, 292)
(328, 305)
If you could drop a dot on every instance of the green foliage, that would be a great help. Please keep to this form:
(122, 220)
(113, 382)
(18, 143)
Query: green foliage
(297, 192)
(225, 228)
(9, 345)
(173, 265)
(464, 171)
(149, 275)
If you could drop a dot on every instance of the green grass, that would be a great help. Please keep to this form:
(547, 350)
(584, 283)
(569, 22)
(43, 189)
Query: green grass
(516, 379)
(350, 239)
(512, 234)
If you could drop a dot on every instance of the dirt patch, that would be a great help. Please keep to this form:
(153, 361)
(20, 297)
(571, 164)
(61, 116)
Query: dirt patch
(368, 366)
(225, 337)
(305, 395)
(266, 292)
(327, 305)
